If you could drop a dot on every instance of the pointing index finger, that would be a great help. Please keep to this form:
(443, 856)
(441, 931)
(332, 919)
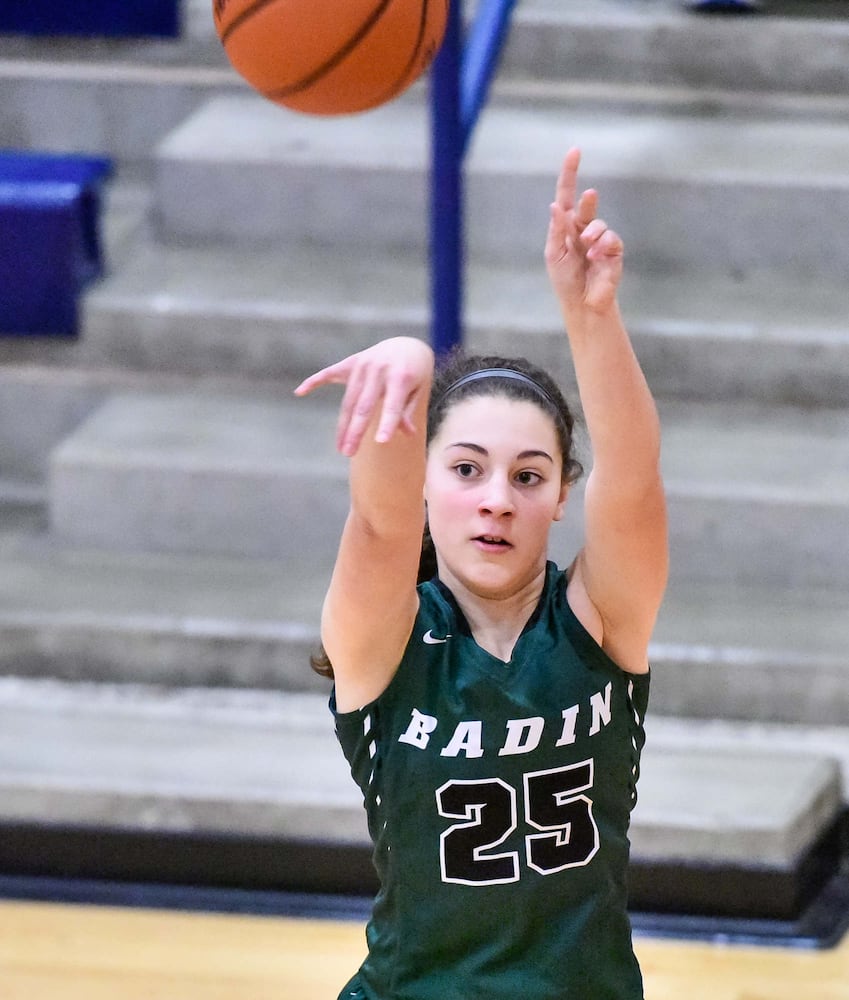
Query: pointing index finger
(337, 374)
(567, 182)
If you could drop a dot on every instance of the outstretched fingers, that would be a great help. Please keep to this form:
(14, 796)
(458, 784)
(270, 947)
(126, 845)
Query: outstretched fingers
(383, 389)
(398, 404)
(362, 395)
(372, 388)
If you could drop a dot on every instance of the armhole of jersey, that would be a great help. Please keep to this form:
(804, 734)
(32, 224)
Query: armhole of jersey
(587, 647)
(585, 644)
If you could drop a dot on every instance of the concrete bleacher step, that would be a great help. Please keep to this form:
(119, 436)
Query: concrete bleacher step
(742, 651)
(265, 763)
(198, 472)
(359, 184)
(800, 46)
(58, 97)
(202, 472)
(757, 494)
(99, 615)
(281, 314)
(115, 95)
(51, 383)
(274, 315)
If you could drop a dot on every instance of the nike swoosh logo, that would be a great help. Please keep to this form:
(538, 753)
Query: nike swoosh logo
(431, 640)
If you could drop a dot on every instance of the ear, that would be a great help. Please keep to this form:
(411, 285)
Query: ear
(561, 503)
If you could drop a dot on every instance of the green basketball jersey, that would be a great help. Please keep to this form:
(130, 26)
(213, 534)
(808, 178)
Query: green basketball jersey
(498, 798)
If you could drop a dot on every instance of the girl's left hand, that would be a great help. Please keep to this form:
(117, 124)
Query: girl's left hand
(583, 256)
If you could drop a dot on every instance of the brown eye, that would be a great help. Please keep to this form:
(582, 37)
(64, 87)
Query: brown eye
(528, 478)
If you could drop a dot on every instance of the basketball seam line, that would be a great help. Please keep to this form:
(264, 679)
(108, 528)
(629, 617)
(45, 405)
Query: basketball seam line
(411, 62)
(338, 57)
(328, 64)
(247, 13)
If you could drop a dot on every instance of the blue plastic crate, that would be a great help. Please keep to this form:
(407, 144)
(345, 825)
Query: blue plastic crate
(50, 245)
(91, 17)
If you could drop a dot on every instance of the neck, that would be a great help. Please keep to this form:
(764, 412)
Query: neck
(497, 620)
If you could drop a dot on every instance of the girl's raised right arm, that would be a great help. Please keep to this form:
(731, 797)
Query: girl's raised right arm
(371, 603)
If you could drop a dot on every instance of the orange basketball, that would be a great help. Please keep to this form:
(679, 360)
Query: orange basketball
(330, 57)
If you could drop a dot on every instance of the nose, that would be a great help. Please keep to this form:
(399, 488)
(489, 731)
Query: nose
(497, 497)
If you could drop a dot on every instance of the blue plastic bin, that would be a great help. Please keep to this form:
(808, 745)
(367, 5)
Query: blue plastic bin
(50, 245)
(90, 17)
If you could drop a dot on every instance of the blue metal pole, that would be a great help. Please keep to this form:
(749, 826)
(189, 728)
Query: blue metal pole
(446, 188)
(480, 58)
(460, 81)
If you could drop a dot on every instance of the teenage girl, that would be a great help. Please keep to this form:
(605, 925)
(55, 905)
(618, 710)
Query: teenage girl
(493, 714)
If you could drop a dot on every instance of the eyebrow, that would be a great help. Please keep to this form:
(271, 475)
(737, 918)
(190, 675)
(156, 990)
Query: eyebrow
(529, 453)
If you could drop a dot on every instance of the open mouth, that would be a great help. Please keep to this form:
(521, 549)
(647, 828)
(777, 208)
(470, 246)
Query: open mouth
(493, 541)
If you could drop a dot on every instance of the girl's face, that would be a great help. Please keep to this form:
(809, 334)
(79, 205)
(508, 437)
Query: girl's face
(493, 488)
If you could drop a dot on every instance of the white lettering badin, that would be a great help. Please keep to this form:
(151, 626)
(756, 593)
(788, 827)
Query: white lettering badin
(521, 736)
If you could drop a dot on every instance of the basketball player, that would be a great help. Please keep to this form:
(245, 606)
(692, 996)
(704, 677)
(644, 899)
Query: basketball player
(493, 715)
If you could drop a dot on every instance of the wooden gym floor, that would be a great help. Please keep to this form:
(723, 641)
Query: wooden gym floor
(52, 951)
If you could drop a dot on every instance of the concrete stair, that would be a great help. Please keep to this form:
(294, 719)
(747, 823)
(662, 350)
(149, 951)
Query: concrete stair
(296, 179)
(197, 473)
(801, 49)
(168, 513)
(188, 310)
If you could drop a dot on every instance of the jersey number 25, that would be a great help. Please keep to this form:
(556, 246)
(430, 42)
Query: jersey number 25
(555, 805)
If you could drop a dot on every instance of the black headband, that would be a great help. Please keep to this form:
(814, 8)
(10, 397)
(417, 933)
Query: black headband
(501, 373)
